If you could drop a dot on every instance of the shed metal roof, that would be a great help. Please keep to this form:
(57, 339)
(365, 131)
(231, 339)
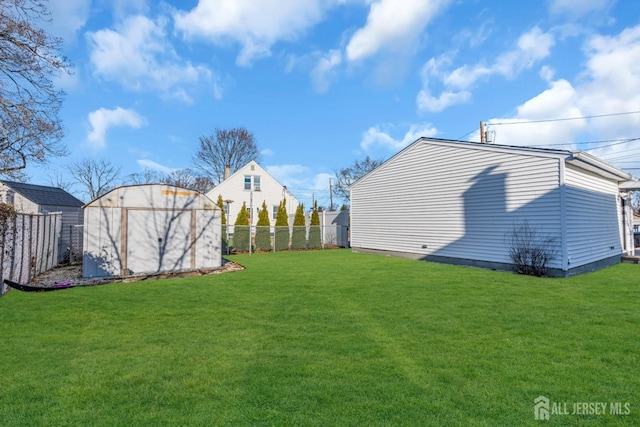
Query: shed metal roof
(44, 195)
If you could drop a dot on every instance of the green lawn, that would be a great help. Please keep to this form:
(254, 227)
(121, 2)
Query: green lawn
(324, 338)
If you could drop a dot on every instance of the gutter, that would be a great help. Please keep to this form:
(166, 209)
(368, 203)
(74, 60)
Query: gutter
(593, 164)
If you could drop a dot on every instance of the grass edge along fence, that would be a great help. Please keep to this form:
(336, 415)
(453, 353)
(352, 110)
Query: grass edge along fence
(28, 245)
(274, 239)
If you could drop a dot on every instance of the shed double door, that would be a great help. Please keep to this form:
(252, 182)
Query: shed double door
(158, 240)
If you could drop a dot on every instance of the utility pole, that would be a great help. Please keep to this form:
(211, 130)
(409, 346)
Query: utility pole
(330, 197)
(482, 141)
(250, 214)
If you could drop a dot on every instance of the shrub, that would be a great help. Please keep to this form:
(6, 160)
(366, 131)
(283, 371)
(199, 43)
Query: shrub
(282, 227)
(241, 230)
(315, 236)
(225, 243)
(299, 236)
(530, 250)
(263, 232)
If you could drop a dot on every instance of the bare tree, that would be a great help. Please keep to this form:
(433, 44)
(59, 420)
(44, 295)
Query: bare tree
(203, 184)
(95, 176)
(226, 147)
(189, 179)
(148, 176)
(57, 180)
(347, 176)
(30, 128)
(186, 178)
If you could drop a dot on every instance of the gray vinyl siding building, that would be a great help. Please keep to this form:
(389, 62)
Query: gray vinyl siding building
(42, 199)
(457, 202)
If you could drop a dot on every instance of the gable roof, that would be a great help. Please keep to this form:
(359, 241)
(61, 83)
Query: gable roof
(43, 195)
(242, 171)
(578, 158)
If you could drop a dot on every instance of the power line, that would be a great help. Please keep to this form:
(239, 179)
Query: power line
(561, 119)
(621, 141)
(615, 142)
(467, 134)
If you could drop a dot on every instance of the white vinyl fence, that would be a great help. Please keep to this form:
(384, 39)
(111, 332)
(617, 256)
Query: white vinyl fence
(266, 239)
(28, 246)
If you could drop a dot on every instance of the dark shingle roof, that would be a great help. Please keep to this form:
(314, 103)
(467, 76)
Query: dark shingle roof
(43, 195)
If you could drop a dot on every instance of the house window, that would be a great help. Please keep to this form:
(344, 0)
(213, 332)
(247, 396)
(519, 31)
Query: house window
(275, 212)
(256, 182)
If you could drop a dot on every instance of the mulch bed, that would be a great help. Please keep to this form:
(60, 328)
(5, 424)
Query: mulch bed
(73, 274)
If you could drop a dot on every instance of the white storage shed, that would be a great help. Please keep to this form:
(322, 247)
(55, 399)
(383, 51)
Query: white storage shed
(457, 202)
(151, 228)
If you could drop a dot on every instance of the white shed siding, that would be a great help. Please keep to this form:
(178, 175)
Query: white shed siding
(458, 201)
(22, 204)
(593, 217)
(101, 242)
(150, 229)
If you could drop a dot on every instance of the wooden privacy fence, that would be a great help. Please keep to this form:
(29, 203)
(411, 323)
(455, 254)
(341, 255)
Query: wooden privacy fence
(29, 246)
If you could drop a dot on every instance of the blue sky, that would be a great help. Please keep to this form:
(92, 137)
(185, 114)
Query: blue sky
(321, 83)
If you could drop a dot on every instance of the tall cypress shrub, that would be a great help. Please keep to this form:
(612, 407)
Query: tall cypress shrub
(315, 235)
(282, 227)
(241, 230)
(263, 235)
(225, 243)
(299, 236)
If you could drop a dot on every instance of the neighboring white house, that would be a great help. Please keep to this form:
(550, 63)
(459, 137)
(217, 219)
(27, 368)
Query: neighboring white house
(457, 202)
(252, 181)
(150, 228)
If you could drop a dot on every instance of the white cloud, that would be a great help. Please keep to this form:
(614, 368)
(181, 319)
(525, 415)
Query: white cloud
(68, 16)
(376, 137)
(532, 47)
(558, 101)
(124, 8)
(150, 164)
(609, 85)
(138, 56)
(324, 71)
(547, 73)
(103, 119)
(392, 25)
(255, 25)
(578, 8)
(613, 82)
(428, 102)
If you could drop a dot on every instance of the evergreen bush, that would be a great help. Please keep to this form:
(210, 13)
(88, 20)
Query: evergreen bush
(282, 227)
(241, 230)
(225, 243)
(263, 235)
(299, 236)
(315, 236)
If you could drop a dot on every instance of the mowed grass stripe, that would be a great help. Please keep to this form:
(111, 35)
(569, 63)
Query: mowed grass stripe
(323, 338)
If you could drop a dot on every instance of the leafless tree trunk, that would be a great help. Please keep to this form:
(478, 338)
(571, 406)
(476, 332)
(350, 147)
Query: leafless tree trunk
(233, 147)
(30, 129)
(95, 176)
